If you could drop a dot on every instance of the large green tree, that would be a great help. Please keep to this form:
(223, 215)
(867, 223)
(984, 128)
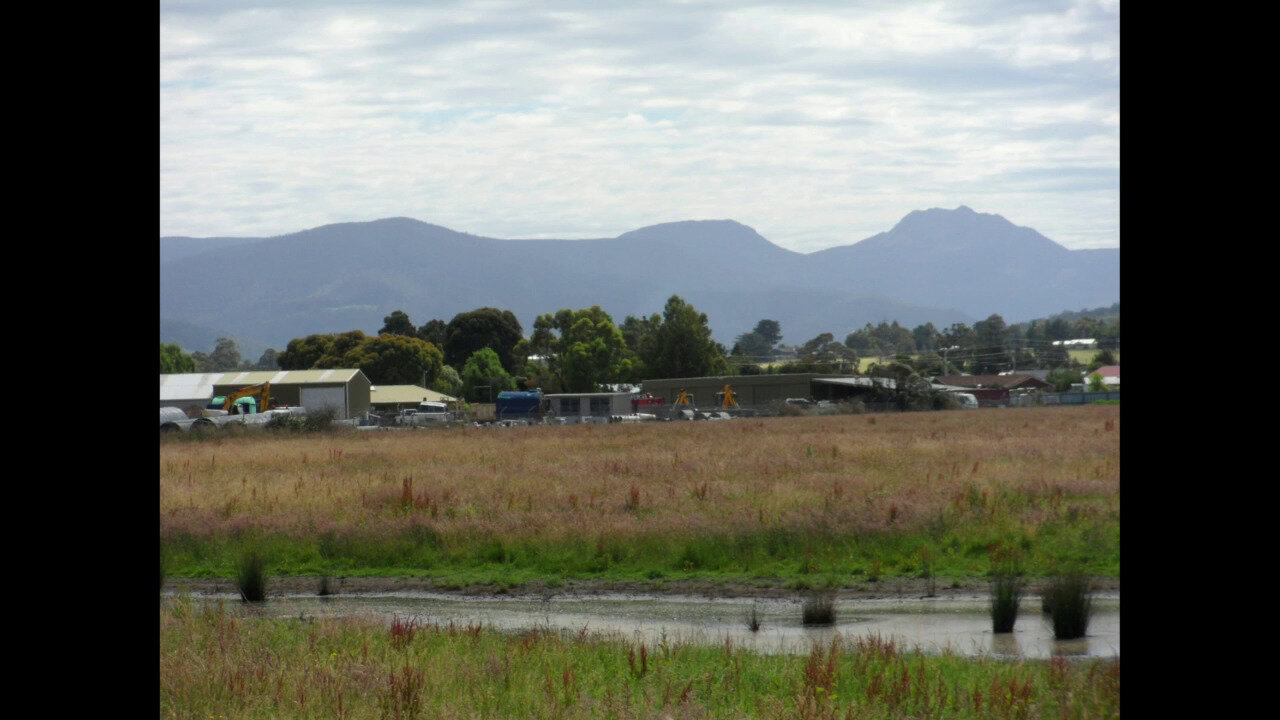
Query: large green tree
(434, 332)
(770, 330)
(327, 350)
(340, 346)
(390, 359)
(582, 348)
(754, 346)
(823, 351)
(483, 376)
(268, 360)
(225, 357)
(681, 345)
(303, 353)
(989, 353)
(640, 333)
(487, 327)
(865, 343)
(173, 360)
(397, 323)
(926, 337)
(448, 382)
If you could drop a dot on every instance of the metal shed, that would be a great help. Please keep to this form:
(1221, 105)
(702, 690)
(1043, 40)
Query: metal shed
(347, 390)
(394, 398)
(751, 390)
(591, 404)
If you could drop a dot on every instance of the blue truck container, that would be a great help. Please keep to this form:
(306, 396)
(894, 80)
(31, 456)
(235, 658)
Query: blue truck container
(518, 404)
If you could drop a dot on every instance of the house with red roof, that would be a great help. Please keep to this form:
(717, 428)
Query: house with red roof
(993, 390)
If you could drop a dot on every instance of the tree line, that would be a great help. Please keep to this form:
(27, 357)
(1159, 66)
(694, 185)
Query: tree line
(479, 353)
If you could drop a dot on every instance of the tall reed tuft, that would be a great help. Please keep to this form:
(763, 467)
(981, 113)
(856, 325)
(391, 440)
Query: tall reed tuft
(251, 576)
(1070, 605)
(1006, 587)
(819, 609)
(1006, 593)
(753, 620)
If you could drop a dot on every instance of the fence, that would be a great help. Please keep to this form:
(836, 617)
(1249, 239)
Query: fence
(1066, 398)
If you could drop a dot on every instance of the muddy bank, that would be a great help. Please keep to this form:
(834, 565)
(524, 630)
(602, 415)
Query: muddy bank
(886, 588)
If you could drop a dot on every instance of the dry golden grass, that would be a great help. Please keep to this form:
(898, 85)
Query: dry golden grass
(863, 471)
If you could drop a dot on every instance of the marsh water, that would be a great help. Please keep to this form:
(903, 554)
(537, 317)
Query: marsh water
(933, 625)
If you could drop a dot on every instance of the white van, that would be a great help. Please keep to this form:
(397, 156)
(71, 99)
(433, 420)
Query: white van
(967, 401)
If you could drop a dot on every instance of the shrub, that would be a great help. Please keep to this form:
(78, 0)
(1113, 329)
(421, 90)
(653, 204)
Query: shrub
(284, 422)
(1006, 593)
(819, 609)
(319, 419)
(1069, 605)
(251, 577)
(753, 620)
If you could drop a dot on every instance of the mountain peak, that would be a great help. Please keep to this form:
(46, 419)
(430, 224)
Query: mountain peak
(701, 233)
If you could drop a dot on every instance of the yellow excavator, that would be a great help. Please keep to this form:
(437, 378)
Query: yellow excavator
(261, 394)
(684, 398)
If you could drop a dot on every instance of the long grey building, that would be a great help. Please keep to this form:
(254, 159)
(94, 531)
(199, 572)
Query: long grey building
(346, 390)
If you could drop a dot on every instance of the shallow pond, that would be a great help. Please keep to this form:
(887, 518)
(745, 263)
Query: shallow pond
(960, 625)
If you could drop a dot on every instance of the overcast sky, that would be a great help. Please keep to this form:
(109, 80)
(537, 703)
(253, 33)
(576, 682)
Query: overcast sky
(816, 123)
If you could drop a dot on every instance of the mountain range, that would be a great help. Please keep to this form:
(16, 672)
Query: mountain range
(939, 266)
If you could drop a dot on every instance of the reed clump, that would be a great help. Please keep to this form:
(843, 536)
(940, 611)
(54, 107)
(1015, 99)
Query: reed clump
(1006, 594)
(819, 609)
(1069, 605)
(251, 576)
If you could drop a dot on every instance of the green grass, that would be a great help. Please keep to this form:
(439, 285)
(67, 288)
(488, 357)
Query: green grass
(214, 663)
(787, 555)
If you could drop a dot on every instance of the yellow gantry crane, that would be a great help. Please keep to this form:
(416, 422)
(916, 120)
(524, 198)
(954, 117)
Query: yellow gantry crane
(727, 399)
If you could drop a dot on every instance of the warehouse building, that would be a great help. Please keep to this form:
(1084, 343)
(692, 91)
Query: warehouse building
(751, 390)
(759, 390)
(346, 390)
(603, 404)
(394, 398)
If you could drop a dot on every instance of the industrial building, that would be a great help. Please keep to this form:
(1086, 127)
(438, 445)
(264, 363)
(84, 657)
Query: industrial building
(604, 404)
(394, 398)
(757, 390)
(346, 390)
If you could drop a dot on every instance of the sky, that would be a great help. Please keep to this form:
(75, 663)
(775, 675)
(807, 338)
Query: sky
(815, 123)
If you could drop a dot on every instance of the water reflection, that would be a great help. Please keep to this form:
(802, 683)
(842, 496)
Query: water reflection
(1005, 644)
(1078, 647)
(961, 626)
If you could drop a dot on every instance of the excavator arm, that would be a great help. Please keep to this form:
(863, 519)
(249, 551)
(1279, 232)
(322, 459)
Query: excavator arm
(262, 392)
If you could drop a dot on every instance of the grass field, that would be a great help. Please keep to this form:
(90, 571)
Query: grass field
(214, 664)
(803, 501)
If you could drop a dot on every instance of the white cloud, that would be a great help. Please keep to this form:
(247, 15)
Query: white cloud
(815, 126)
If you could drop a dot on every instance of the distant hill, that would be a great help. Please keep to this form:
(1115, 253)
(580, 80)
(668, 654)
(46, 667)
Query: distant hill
(940, 266)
